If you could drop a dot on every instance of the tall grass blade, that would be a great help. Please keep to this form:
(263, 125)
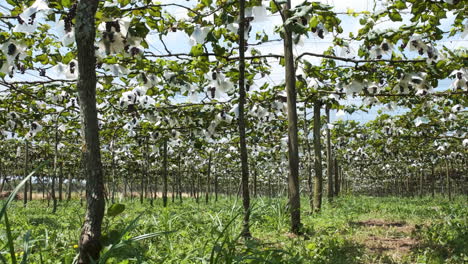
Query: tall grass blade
(17, 188)
(3, 259)
(214, 259)
(3, 213)
(11, 246)
(132, 225)
(26, 247)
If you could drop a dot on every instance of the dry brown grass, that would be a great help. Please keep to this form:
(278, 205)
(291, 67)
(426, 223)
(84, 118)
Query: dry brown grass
(386, 238)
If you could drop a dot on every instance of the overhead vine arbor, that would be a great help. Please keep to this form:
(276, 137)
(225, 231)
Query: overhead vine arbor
(109, 92)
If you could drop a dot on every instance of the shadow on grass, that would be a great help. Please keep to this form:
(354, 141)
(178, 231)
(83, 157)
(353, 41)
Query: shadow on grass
(320, 249)
(49, 222)
(444, 241)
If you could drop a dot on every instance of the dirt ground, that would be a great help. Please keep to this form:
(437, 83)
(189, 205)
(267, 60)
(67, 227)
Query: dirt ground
(382, 238)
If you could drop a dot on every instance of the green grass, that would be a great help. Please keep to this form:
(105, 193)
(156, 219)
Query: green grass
(199, 233)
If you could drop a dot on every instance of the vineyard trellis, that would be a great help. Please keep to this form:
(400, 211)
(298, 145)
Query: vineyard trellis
(98, 89)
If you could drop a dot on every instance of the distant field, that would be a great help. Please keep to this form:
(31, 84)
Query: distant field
(77, 195)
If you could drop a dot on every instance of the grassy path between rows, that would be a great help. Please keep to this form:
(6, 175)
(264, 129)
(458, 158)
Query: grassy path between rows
(352, 229)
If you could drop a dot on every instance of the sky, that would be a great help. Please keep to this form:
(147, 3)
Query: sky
(180, 42)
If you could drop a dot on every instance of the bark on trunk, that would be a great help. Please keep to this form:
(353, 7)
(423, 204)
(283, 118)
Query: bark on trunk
(270, 184)
(255, 183)
(164, 194)
(432, 181)
(60, 187)
(293, 144)
(85, 31)
(125, 188)
(54, 176)
(216, 186)
(242, 124)
(192, 185)
(208, 175)
(30, 188)
(69, 191)
(337, 177)
(318, 158)
(179, 179)
(342, 180)
(421, 181)
(155, 185)
(142, 184)
(146, 168)
(198, 188)
(3, 176)
(449, 189)
(113, 171)
(330, 190)
(173, 185)
(26, 172)
(309, 156)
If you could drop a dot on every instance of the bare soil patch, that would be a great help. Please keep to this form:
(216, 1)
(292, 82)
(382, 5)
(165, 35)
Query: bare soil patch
(383, 238)
(291, 235)
(396, 247)
(380, 222)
